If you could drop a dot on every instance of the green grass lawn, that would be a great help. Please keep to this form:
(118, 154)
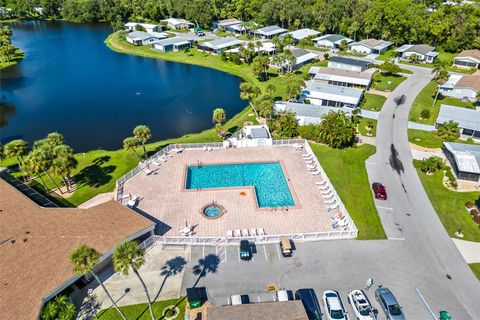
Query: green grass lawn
(362, 127)
(450, 205)
(476, 269)
(386, 83)
(16, 58)
(373, 102)
(347, 172)
(425, 139)
(351, 54)
(425, 99)
(387, 55)
(140, 311)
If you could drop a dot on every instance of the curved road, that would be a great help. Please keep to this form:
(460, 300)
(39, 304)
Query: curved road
(408, 213)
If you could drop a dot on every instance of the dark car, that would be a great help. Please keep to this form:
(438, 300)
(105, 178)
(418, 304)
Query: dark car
(245, 250)
(389, 304)
(379, 191)
(310, 303)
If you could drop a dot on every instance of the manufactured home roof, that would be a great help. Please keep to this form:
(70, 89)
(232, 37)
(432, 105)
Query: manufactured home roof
(351, 61)
(145, 25)
(333, 93)
(341, 75)
(335, 38)
(271, 30)
(36, 241)
(467, 156)
(466, 118)
(303, 33)
(286, 310)
(374, 43)
(222, 43)
(307, 110)
(417, 48)
(176, 40)
(228, 22)
(469, 81)
(176, 21)
(474, 54)
(140, 35)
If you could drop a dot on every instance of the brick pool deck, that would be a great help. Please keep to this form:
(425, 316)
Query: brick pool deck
(164, 199)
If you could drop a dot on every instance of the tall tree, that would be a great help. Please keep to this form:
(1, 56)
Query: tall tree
(17, 149)
(128, 255)
(83, 260)
(143, 134)
(219, 117)
(64, 163)
(131, 143)
(337, 130)
(440, 77)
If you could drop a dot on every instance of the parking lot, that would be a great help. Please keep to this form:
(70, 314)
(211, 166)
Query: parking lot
(327, 265)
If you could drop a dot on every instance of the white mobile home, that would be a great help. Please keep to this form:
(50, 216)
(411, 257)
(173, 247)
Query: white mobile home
(132, 26)
(177, 23)
(343, 78)
(307, 113)
(369, 46)
(349, 63)
(331, 40)
(301, 34)
(332, 96)
(421, 52)
(270, 32)
(467, 59)
(468, 119)
(217, 46)
(140, 38)
(173, 44)
(464, 87)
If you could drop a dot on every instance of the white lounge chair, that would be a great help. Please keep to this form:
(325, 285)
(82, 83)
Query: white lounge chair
(253, 232)
(321, 182)
(328, 196)
(260, 231)
(331, 201)
(309, 161)
(205, 148)
(179, 150)
(325, 187)
(147, 171)
(133, 202)
(244, 232)
(209, 148)
(229, 234)
(238, 233)
(156, 163)
(325, 192)
(162, 158)
(308, 155)
(315, 173)
(334, 206)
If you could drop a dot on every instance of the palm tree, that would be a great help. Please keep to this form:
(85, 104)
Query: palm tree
(440, 78)
(143, 134)
(55, 139)
(83, 260)
(17, 149)
(63, 163)
(131, 143)
(43, 155)
(219, 116)
(128, 255)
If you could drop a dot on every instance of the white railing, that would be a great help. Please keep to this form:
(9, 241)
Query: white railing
(310, 236)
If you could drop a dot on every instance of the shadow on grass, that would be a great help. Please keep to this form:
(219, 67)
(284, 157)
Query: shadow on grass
(95, 175)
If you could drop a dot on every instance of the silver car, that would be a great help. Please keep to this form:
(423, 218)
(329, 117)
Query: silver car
(389, 304)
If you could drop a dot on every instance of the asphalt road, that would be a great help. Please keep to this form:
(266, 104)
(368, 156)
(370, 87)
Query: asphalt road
(418, 255)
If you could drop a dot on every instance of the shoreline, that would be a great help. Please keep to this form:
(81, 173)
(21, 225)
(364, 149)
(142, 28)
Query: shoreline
(17, 57)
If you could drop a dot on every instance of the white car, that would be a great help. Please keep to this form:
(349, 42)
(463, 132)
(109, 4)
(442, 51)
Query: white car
(334, 309)
(361, 305)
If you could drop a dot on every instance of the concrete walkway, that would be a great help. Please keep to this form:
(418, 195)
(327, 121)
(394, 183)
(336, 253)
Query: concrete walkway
(470, 250)
(420, 126)
(98, 199)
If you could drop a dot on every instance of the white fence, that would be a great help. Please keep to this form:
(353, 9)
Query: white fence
(351, 233)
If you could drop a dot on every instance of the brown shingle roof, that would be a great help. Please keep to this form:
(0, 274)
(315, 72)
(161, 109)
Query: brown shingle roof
(288, 310)
(472, 81)
(37, 262)
(470, 53)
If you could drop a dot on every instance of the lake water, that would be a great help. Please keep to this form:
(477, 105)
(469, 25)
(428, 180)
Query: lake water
(72, 83)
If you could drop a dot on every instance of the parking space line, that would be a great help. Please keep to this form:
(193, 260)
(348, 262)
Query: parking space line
(238, 254)
(386, 208)
(265, 252)
(278, 252)
(399, 239)
(203, 251)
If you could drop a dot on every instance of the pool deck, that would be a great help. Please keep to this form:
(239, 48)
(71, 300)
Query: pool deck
(163, 197)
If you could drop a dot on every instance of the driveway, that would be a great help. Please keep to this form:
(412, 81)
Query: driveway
(408, 213)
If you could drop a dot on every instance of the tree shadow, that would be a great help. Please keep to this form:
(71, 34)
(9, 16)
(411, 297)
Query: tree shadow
(209, 264)
(95, 175)
(172, 267)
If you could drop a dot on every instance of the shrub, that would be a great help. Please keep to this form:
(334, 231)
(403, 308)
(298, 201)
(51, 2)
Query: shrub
(469, 204)
(431, 164)
(451, 178)
(286, 125)
(326, 56)
(337, 130)
(309, 132)
(425, 114)
(449, 131)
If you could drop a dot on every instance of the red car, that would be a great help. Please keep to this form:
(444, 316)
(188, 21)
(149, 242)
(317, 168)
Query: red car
(379, 191)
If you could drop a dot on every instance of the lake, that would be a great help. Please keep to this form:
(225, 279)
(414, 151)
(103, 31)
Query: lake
(72, 83)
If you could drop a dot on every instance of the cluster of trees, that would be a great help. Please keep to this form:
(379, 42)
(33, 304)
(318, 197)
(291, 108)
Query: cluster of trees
(7, 50)
(261, 102)
(48, 156)
(141, 135)
(431, 165)
(127, 255)
(449, 131)
(402, 21)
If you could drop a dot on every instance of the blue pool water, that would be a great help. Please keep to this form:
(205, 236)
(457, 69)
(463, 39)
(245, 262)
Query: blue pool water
(270, 185)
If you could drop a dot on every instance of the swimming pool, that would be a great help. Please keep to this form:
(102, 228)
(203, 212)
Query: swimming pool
(267, 178)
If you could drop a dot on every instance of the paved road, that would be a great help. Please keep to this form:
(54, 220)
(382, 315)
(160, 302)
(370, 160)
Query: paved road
(411, 215)
(419, 253)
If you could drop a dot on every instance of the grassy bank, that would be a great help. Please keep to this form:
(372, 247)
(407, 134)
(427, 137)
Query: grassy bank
(347, 172)
(373, 102)
(140, 311)
(476, 269)
(386, 83)
(16, 58)
(425, 99)
(450, 205)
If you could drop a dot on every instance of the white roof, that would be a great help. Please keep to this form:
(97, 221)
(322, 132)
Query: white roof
(159, 35)
(222, 43)
(173, 41)
(177, 21)
(271, 30)
(333, 93)
(140, 35)
(228, 22)
(466, 156)
(452, 81)
(311, 111)
(303, 33)
(306, 57)
(266, 47)
(465, 117)
(145, 25)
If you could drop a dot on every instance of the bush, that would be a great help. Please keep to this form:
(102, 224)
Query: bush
(285, 124)
(309, 132)
(326, 56)
(337, 130)
(431, 164)
(469, 204)
(449, 131)
(425, 114)
(451, 178)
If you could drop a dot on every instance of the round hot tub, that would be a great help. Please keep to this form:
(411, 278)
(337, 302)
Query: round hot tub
(212, 211)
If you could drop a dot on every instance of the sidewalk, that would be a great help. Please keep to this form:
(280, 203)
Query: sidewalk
(470, 250)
